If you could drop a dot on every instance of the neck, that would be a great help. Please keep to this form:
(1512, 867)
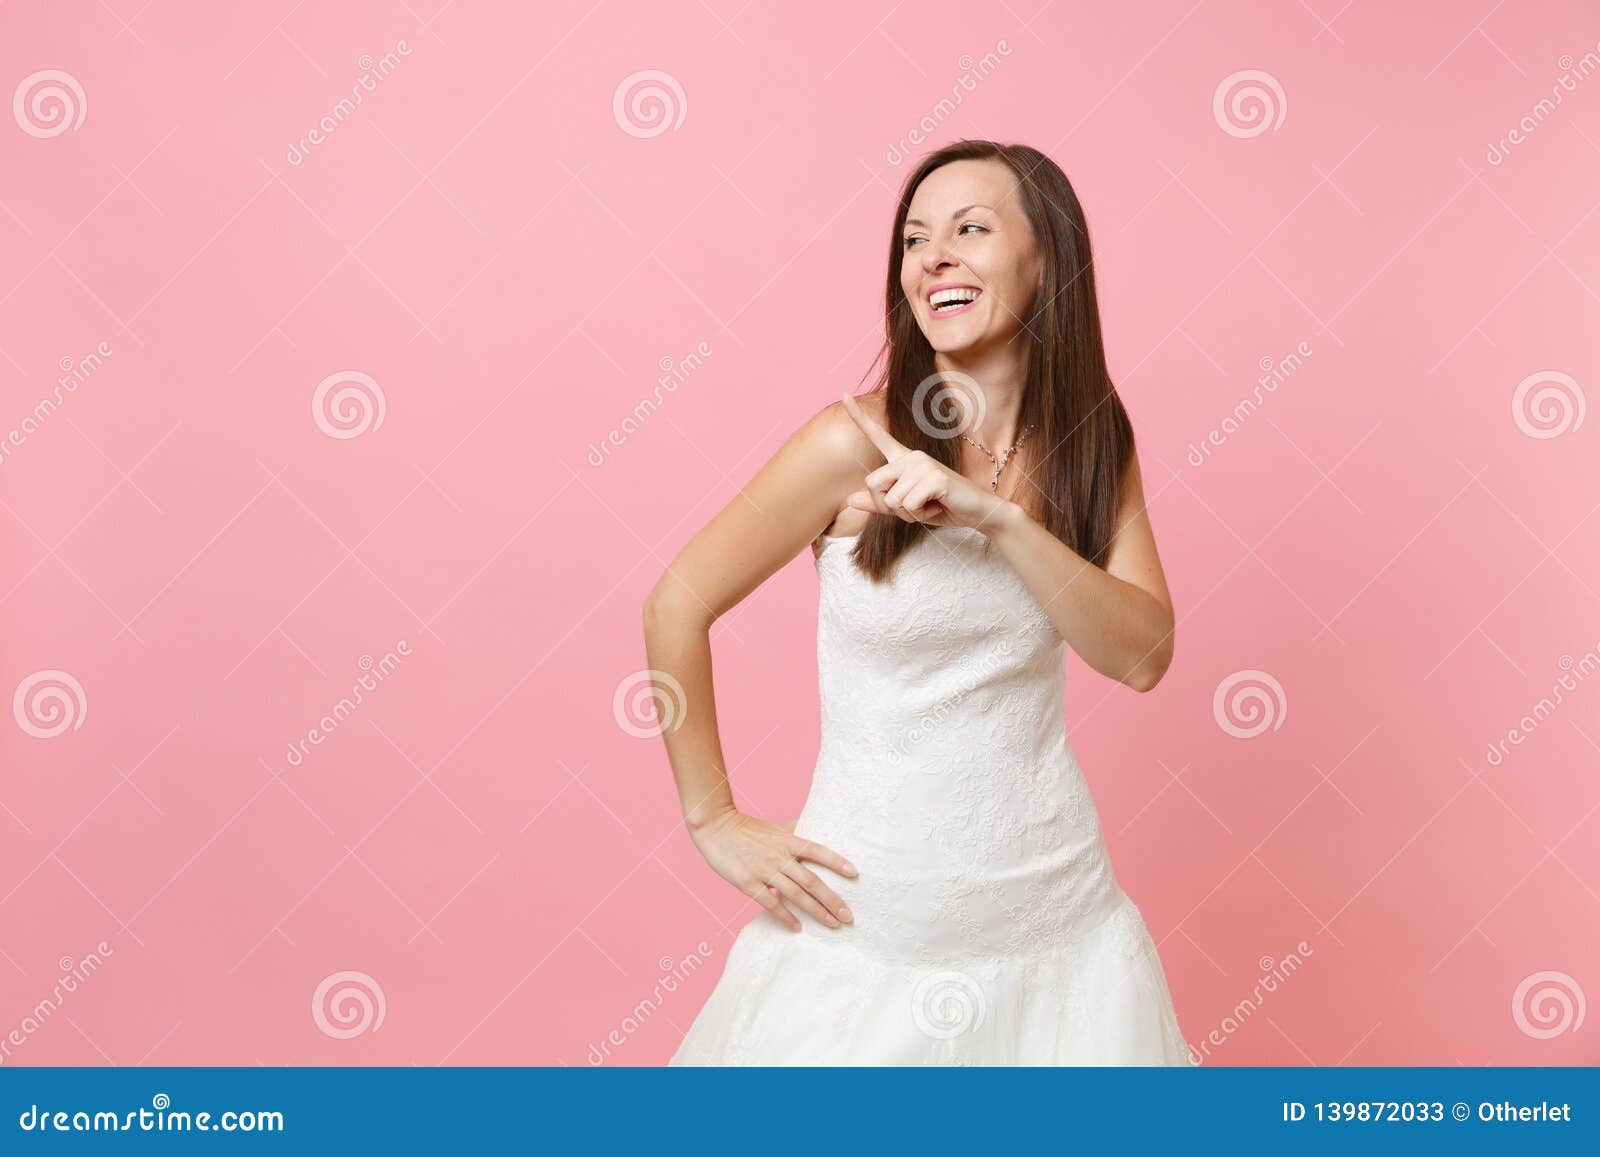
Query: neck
(1001, 376)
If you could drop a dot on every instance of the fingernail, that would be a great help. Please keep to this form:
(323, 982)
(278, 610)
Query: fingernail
(849, 868)
(844, 913)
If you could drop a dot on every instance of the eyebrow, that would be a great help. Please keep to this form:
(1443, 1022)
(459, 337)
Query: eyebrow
(953, 216)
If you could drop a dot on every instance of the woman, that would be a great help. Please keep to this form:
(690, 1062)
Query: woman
(971, 518)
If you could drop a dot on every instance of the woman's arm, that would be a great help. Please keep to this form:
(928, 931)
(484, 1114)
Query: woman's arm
(1120, 619)
(788, 503)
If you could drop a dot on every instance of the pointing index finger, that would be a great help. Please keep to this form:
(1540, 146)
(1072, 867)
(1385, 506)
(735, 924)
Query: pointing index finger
(874, 430)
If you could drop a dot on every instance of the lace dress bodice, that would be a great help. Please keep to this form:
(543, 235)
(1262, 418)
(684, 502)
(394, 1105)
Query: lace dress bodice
(945, 772)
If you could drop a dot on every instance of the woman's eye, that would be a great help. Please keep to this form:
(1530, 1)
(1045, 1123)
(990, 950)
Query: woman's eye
(971, 224)
(910, 241)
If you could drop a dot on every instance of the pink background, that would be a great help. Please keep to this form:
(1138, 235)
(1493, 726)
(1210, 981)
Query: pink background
(483, 839)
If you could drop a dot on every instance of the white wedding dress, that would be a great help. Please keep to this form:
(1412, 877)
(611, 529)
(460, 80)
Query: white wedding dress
(989, 927)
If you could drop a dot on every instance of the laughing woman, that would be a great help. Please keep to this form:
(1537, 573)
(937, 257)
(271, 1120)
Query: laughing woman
(945, 896)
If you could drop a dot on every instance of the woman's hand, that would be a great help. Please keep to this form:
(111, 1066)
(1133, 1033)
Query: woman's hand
(919, 488)
(762, 860)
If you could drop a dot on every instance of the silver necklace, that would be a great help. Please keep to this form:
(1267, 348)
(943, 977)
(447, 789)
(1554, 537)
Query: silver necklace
(1000, 463)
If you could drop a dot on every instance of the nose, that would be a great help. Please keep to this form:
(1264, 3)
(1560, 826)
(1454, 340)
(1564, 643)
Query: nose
(935, 257)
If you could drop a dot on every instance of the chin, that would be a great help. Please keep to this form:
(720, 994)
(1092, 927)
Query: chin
(944, 342)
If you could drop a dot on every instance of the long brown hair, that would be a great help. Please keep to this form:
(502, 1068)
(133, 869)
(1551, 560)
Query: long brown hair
(1082, 438)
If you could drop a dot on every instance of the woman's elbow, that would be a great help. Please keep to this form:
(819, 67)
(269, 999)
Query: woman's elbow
(1152, 666)
(657, 607)
(670, 603)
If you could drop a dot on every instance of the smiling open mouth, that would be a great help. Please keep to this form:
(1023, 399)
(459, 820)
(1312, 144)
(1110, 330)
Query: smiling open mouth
(953, 300)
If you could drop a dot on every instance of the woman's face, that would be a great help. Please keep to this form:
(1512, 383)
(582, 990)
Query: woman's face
(969, 265)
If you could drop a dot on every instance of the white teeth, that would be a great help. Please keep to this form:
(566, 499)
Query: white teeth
(950, 298)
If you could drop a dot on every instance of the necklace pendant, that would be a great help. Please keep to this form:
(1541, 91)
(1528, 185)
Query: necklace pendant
(1000, 462)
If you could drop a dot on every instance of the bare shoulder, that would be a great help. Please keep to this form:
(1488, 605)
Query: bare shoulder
(819, 465)
(838, 454)
(833, 426)
(833, 447)
(799, 492)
